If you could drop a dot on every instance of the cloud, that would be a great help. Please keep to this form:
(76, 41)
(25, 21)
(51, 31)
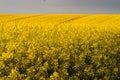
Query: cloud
(59, 6)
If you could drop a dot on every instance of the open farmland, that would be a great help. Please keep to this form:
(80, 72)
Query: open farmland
(60, 47)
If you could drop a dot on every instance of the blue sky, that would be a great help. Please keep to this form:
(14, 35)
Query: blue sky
(60, 6)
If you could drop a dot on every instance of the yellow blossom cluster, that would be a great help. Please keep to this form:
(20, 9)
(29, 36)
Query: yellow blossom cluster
(60, 47)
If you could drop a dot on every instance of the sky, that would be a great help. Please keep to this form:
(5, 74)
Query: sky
(60, 6)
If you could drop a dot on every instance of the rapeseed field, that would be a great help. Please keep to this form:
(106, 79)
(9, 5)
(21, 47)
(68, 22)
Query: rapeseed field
(60, 47)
